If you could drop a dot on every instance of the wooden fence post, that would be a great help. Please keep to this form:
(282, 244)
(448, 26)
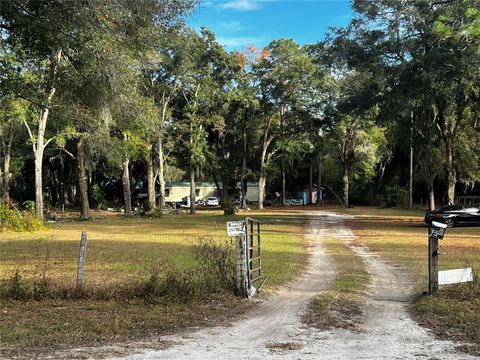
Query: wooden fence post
(432, 264)
(81, 260)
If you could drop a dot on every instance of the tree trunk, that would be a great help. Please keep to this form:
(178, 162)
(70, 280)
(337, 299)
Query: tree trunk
(319, 179)
(282, 165)
(127, 196)
(346, 184)
(53, 185)
(2, 198)
(410, 182)
(263, 177)
(7, 151)
(243, 184)
(161, 171)
(150, 180)
(38, 141)
(284, 184)
(310, 183)
(38, 180)
(431, 199)
(261, 190)
(192, 189)
(61, 182)
(67, 186)
(451, 173)
(82, 180)
(263, 162)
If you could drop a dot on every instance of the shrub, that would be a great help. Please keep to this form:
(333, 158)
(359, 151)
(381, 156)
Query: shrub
(397, 196)
(216, 262)
(229, 207)
(98, 197)
(16, 220)
(215, 271)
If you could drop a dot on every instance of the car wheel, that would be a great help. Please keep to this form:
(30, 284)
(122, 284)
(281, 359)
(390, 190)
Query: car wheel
(449, 222)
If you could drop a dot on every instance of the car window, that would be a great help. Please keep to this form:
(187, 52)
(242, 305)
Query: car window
(452, 208)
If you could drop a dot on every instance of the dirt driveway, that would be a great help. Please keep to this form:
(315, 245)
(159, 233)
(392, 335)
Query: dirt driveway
(275, 329)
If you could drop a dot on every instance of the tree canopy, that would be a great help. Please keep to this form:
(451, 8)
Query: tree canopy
(103, 101)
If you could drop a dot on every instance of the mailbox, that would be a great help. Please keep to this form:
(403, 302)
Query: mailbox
(437, 230)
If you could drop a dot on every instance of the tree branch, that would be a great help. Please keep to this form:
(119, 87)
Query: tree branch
(30, 134)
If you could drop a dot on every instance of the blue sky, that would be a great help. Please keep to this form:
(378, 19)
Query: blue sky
(238, 23)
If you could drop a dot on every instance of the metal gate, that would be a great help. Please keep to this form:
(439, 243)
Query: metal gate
(249, 259)
(253, 250)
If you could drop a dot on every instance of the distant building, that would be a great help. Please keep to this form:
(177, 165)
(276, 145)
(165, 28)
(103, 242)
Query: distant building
(178, 191)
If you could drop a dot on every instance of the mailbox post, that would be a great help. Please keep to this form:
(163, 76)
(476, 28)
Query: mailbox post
(436, 232)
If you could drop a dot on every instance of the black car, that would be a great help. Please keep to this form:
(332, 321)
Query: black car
(455, 215)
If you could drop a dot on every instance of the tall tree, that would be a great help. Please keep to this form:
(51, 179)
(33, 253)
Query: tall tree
(420, 58)
(13, 112)
(283, 74)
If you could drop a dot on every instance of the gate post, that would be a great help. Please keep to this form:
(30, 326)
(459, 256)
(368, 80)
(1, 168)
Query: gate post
(436, 232)
(241, 268)
(432, 265)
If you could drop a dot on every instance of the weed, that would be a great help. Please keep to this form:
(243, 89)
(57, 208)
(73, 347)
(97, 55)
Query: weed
(214, 271)
(15, 288)
(216, 262)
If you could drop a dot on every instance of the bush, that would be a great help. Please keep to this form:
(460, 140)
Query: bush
(98, 197)
(397, 196)
(16, 220)
(215, 271)
(216, 262)
(229, 207)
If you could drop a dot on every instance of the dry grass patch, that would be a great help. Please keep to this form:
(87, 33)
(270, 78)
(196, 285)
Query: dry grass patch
(341, 307)
(453, 313)
(280, 347)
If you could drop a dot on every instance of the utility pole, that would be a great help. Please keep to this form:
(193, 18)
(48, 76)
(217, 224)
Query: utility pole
(410, 189)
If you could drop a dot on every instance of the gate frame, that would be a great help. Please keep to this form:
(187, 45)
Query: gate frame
(249, 259)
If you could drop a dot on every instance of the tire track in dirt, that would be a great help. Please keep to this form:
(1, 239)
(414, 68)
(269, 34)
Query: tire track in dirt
(387, 332)
(275, 329)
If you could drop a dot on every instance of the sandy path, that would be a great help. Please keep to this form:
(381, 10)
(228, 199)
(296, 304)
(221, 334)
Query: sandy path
(387, 332)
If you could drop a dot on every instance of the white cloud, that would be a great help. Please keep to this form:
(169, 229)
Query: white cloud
(232, 26)
(241, 42)
(241, 5)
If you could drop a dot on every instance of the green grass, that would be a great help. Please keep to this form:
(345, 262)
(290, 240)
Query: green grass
(121, 254)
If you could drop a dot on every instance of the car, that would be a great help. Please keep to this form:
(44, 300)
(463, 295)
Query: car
(454, 215)
(212, 201)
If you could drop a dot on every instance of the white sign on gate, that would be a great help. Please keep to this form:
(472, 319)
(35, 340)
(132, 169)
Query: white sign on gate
(235, 228)
(455, 276)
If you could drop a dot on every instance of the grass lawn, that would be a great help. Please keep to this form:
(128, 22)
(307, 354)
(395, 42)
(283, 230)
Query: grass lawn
(400, 235)
(121, 254)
